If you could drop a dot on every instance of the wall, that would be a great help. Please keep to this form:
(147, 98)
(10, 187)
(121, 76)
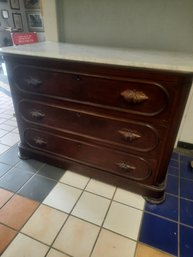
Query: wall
(160, 24)
(9, 21)
(185, 132)
(50, 19)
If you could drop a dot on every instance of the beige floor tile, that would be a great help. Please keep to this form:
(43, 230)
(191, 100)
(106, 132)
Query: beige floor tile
(129, 198)
(91, 207)
(15, 131)
(77, 237)
(6, 236)
(17, 211)
(124, 220)
(6, 116)
(11, 123)
(100, 188)
(4, 196)
(110, 244)
(63, 197)
(3, 148)
(25, 246)
(9, 109)
(10, 139)
(44, 224)
(147, 251)
(2, 132)
(2, 120)
(54, 253)
(74, 179)
(6, 127)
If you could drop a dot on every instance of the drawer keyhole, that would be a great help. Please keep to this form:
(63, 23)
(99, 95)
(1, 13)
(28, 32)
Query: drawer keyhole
(77, 77)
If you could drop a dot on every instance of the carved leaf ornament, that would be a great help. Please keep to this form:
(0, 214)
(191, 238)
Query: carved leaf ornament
(134, 96)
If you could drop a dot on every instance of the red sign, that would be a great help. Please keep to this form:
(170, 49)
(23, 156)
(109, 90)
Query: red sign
(24, 38)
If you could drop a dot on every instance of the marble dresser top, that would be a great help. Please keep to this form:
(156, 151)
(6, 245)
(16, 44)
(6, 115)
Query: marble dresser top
(171, 61)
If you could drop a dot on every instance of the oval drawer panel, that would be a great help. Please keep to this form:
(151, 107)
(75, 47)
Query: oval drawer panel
(119, 93)
(130, 134)
(122, 164)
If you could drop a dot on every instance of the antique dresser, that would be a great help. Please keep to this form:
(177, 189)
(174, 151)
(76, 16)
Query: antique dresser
(111, 114)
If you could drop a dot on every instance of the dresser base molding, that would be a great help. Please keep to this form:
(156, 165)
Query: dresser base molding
(152, 194)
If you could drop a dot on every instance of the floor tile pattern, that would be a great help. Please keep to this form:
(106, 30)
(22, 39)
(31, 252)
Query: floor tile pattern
(49, 212)
(77, 237)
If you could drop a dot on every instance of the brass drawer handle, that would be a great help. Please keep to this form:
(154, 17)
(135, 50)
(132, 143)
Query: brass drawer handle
(134, 96)
(37, 115)
(33, 82)
(129, 135)
(125, 166)
(40, 141)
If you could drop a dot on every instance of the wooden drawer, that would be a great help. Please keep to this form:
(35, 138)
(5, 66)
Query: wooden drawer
(122, 164)
(136, 96)
(104, 129)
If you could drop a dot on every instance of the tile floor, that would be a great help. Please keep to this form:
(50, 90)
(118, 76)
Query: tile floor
(46, 211)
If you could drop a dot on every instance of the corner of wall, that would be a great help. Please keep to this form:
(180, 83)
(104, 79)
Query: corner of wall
(49, 11)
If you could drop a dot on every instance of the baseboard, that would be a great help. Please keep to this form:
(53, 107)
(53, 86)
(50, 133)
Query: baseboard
(185, 145)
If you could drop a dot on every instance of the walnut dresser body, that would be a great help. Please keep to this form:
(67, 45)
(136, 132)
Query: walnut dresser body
(107, 118)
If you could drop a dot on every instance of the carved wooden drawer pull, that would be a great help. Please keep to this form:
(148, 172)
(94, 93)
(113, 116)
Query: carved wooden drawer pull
(33, 82)
(134, 96)
(125, 166)
(37, 115)
(129, 135)
(40, 141)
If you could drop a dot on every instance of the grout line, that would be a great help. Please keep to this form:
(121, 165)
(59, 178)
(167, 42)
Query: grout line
(58, 251)
(140, 226)
(100, 196)
(9, 243)
(8, 226)
(33, 172)
(189, 179)
(69, 214)
(158, 249)
(184, 198)
(186, 225)
(101, 227)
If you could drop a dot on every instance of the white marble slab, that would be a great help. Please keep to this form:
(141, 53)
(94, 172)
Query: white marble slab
(172, 61)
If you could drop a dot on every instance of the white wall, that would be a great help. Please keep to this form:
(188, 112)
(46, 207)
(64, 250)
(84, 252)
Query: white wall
(150, 24)
(186, 129)
(50, 19)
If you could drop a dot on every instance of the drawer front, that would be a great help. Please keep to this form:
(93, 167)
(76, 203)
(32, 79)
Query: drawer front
(119, 93)
(125, 165)
(130, 134)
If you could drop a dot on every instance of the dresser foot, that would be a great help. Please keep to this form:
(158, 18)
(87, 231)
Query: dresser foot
(153, 200)
(22, 156)
(21, 153)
